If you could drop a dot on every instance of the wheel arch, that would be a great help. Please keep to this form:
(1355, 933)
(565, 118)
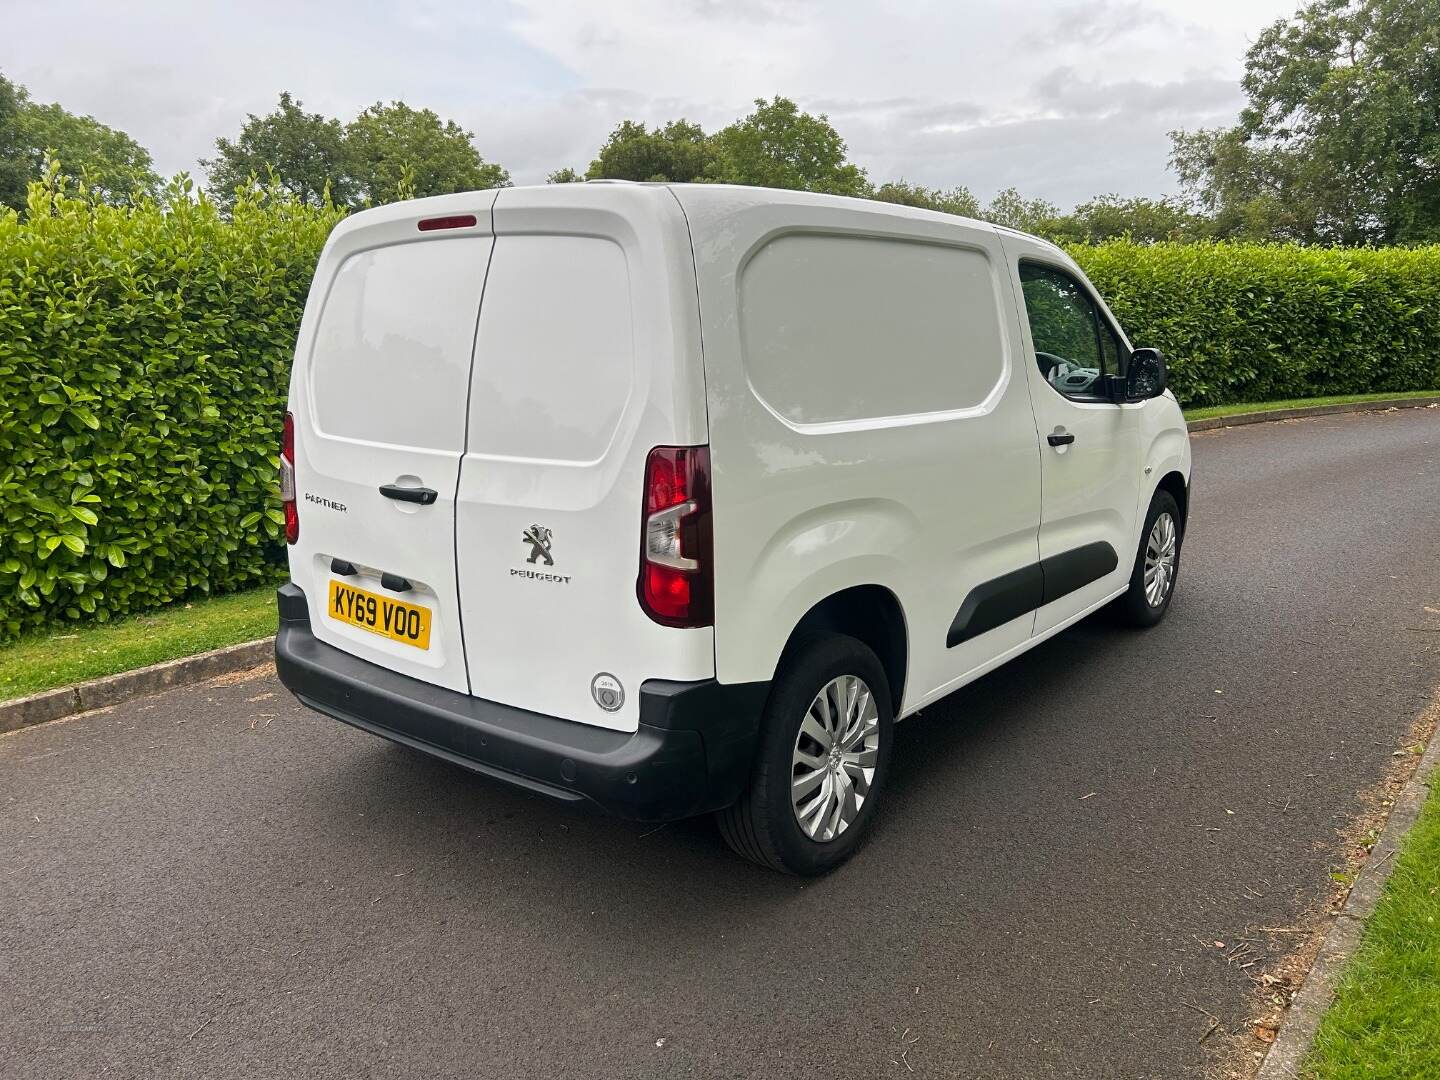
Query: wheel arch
(1174, 484)
(871, 614)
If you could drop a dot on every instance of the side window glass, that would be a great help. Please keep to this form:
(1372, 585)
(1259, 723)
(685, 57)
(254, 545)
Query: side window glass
(1109, 346)
(1067, 332)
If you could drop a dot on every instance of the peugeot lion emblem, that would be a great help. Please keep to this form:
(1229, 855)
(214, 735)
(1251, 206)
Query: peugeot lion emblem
(538, 537)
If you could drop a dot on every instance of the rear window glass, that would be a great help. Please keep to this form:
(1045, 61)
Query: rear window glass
(839, 328)
(555, 357)
(392, 351)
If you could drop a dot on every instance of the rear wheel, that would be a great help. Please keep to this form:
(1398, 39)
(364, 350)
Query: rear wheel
(821, 765)
(1152, 581)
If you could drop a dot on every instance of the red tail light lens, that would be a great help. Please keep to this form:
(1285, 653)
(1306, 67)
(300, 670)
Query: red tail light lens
(676, 586)
(287, 480)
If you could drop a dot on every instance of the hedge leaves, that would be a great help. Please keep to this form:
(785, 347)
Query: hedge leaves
(144, 361)
(1255, 322)
(145, 355)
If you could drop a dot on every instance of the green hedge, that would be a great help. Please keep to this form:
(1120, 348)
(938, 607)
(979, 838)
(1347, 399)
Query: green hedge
(144, 361)
(1253, 322)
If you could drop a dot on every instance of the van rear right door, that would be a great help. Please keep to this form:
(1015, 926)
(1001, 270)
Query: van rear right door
(587, 356)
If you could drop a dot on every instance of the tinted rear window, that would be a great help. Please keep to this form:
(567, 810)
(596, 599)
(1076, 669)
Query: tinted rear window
(555, 359)
(841, 328)
(392, 352)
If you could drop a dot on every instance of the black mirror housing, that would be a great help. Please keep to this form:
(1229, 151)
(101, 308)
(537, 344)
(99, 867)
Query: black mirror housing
(1145, 375)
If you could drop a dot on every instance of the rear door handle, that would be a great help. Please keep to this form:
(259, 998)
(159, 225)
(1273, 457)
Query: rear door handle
(1060, 440)
(421, 495)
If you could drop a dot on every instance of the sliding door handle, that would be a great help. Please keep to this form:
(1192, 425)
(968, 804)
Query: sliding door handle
(1060, 440)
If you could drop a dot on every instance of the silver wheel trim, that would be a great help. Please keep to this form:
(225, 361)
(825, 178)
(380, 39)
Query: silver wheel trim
(1160, 554)
(833, 764)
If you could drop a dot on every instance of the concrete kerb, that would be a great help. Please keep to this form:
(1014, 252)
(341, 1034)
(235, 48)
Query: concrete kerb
(114, 689)
(1302, 1019)
(1241, 419)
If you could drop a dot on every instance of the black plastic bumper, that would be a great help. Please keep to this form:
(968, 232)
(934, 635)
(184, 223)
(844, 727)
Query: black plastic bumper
(692, 752)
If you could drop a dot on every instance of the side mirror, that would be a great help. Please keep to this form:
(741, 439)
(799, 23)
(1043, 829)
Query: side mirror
(1145, 377)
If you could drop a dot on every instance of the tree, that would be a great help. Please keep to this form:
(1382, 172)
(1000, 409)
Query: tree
(14, 165)
(1012, 210)
(1145, 221)
(113, 167)
(779, 146)
(396, 151)
(957, 200)
(306, 152)
(566, 175)
(677, 153)
(1247, 190)
(1340, 139)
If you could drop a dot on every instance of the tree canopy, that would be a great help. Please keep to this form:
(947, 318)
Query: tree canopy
(388, 152)
(112, 166)
(1111, 217)
(398, 152)
(304, 152)
(779, 146)
(957, 200)
(678, 153)
(1340, 139)
(14, 169)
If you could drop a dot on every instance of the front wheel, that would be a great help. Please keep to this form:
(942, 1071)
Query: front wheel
(1152, 581)
(823, 757)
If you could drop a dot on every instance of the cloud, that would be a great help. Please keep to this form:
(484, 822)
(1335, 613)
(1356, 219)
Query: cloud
(1097, 22)
(1062, 102)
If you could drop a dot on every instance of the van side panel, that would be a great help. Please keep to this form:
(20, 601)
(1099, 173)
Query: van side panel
(869, 424)
(587, 356)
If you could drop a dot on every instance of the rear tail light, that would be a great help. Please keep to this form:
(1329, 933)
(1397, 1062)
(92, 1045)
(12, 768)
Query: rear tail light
(287, 480)
(676, 584)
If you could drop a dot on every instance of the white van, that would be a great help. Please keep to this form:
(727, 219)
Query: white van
(674, 498)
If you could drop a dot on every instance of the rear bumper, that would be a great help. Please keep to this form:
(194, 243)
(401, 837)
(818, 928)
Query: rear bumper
(692, 752)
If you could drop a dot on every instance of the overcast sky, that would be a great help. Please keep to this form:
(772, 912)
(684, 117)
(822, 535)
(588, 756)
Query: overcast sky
(1063, 99)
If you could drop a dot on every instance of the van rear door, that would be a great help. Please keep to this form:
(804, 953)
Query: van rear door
(587, 357)
(378, 397)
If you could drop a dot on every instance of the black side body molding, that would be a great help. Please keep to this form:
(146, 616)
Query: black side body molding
(995, 602)
(1076, 568)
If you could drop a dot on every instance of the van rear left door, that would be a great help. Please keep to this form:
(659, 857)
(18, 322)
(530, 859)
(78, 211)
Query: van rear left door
(378, 397)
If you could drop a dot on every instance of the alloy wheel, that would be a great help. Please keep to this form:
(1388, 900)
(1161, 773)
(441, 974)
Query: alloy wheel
(1161, 551)
(833, 764)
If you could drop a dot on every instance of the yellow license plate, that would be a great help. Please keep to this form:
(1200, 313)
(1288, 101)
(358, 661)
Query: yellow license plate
(408, 624)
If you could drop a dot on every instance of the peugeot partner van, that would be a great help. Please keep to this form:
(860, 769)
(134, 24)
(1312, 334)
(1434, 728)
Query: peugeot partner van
(673, 499)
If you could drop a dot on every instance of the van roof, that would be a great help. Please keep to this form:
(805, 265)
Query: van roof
(737, 195)
(722, 196)
(711, 200)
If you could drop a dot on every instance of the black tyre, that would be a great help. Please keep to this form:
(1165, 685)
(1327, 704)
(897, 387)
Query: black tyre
(822, 761)
(1157, 564)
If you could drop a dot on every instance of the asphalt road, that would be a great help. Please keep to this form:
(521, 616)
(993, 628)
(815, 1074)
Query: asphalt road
(216, 883)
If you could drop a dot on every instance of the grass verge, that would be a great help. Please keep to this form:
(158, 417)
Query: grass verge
(1385, 1021)
(1210, 411)
(66, 656)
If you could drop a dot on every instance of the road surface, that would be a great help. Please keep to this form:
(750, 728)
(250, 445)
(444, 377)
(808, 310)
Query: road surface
(216, 883)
